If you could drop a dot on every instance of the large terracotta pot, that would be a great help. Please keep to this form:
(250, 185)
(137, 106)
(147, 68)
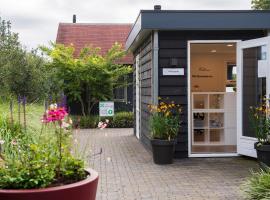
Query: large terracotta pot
(83, 190)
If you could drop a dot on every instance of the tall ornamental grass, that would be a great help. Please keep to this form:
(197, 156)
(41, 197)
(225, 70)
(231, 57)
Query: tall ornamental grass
(257, 187)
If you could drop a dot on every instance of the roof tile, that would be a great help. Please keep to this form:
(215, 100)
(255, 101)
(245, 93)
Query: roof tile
(97, 35)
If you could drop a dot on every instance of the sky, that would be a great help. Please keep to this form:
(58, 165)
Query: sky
(37, 21)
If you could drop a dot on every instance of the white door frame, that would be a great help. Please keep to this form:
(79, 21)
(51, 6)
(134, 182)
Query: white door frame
(189, 99)
(245, 145)
(137, 107)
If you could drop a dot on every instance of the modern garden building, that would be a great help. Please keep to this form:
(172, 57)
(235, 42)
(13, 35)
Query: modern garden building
(215, 64)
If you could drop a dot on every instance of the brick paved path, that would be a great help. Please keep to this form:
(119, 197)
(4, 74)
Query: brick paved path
(127, 172)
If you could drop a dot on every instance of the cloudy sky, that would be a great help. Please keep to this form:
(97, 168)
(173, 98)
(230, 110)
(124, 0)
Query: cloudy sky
(36, 21)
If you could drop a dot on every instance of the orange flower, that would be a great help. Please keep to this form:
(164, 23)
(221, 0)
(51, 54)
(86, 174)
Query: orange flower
(167, 113)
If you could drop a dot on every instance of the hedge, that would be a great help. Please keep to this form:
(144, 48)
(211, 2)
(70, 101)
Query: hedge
(119, 120)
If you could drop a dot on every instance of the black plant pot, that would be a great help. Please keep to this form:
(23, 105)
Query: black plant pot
(263, 154)
(163, 151)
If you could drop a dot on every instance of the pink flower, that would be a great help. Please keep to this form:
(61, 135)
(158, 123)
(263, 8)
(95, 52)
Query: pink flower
(102, 125)
(54, 114)
(14, 142)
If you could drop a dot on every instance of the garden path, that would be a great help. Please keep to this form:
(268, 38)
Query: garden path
(127, 171)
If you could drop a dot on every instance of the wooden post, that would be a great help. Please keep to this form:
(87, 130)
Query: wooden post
(45, 105)
(24, 112)
(19, 109)
(11, 111)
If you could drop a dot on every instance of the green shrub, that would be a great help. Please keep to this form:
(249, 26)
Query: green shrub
(119, 120)
(85, 121)
(258, 186)
(122, 120)
(73, 169)
(33, 168)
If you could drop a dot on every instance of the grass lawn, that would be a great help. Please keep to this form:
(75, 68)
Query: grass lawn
(34, 114)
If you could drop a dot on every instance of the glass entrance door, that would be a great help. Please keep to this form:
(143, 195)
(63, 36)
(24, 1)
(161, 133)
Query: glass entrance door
(253, 66)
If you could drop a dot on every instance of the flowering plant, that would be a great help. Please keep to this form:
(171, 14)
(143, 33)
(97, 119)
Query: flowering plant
(260, 121)
(58, 116)
(54, 113)
(31, 160)
(165, 120)
(102, 124)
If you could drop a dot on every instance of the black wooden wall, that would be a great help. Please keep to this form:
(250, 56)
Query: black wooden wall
(173, 44)
(145, 66)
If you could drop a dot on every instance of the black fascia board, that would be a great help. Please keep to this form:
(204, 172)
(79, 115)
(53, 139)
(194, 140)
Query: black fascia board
(198, 20)
(206, 20)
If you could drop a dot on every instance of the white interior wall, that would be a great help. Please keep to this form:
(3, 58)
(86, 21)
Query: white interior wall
(209, 71)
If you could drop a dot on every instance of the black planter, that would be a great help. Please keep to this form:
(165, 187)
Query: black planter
(163, 151)
(263, 154)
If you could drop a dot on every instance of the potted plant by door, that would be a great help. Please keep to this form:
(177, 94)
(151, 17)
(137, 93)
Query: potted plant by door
(260, 121)
(43, 165)
(164, 125)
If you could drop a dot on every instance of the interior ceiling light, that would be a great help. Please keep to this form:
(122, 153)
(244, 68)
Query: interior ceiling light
(229, 45)
(213, 51)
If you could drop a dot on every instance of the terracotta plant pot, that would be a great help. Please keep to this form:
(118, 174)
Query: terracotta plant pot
(82, 190)
(263, 154)
(163, 151)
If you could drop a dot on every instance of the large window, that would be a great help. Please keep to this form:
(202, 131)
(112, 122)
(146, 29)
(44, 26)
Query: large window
(120, 94)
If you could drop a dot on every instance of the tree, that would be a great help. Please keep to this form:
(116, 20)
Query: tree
(22, 73)
(261, 4)
(90, 77)
(28, 76)
(9, 46)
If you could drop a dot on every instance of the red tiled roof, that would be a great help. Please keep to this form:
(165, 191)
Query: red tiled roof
(97, 35)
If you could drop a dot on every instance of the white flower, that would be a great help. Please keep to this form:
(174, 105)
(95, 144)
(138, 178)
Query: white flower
(107, 121)
(2, 142)
(53, 106)
(100, 124)
(65, 125)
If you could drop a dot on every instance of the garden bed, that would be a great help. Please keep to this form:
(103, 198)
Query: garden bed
(120, 120)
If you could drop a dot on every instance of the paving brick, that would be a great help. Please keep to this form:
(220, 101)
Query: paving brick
(127, 171)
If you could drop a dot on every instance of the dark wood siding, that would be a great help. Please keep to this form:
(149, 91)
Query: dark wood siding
(145, 55)
(173, 44)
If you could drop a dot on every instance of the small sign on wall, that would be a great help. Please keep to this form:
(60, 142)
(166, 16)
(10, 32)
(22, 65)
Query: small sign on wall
(173, 71)
(262, 68)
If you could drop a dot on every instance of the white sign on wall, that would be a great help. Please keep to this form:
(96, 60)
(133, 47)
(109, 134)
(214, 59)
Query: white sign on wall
(106, 108)
(262, 68)
(173, 71)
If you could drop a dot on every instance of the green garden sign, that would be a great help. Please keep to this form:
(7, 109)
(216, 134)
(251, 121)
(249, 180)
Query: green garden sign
(106, 108)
